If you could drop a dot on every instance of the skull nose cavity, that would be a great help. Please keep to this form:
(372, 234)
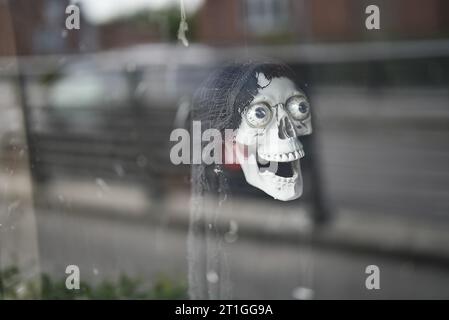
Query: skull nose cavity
(286, 129)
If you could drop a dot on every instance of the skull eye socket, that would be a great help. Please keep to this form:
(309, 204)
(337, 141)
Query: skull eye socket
(258, 115)
(299, 107)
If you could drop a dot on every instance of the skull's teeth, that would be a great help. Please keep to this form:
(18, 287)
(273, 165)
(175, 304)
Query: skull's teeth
(283, 180)
(283, 157)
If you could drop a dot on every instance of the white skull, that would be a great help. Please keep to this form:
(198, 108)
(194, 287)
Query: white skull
(268, 148)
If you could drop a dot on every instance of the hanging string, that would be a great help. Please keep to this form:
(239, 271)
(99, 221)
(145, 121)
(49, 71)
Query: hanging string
(183, 26)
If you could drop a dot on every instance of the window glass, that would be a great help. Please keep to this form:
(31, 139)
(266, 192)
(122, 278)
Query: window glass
(113, 119)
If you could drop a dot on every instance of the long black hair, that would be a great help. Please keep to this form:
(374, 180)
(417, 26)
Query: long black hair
(218, 104)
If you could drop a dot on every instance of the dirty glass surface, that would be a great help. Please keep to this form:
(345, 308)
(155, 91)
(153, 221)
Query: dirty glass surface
(93, 206)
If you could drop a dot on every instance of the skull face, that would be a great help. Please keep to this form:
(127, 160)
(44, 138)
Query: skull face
(268, 147)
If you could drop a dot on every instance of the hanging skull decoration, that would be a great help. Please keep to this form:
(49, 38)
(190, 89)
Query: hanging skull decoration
(269, 150)
(269, 113)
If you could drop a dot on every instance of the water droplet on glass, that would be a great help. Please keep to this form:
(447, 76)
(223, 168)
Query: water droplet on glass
(140, 90)
(233, 226)
(102, 184)
(232, 236)
(118, 168)
(212, 277)
(20, 290)
(142, 161)
(303, 293)
(13, 206)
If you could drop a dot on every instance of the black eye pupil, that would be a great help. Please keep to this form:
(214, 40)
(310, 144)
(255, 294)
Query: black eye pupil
(260, 113)
(302, 107)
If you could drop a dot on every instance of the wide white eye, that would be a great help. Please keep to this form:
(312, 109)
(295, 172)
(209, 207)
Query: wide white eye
(299, 107)
(258, 115)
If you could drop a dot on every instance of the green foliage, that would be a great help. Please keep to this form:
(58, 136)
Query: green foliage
(11, 286)
(164, 288)
(125, 288)
(50, 77)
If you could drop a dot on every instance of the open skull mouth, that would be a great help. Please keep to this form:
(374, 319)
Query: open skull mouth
(280, 177)
(286, 170)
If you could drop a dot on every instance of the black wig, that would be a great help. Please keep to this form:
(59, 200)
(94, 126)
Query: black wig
(218, 104)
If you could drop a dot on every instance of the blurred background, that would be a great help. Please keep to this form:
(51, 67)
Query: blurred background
(85, 174)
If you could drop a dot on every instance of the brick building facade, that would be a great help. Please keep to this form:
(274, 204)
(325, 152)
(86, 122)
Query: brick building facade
(38, 26)
(253, 21)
